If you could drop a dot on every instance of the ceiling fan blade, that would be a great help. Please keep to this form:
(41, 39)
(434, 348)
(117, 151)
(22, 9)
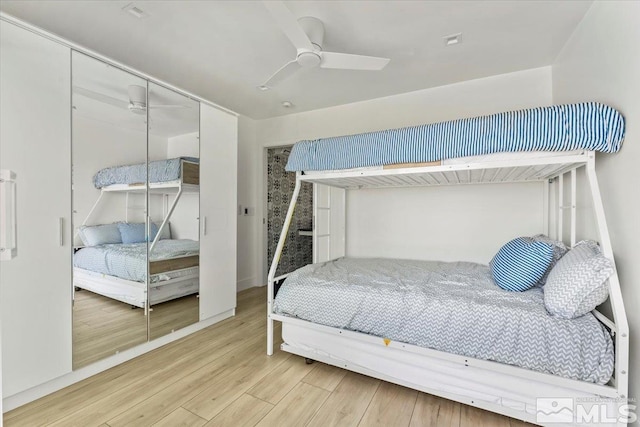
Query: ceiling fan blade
(289, 24)
(283, 73)
(100, 97)
(348, 61)
(167, 106)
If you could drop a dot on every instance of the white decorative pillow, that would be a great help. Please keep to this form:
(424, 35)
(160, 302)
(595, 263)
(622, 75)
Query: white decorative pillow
(95, 235)
(559, 249)
(578, 282)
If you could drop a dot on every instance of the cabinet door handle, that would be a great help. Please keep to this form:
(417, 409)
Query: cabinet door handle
(61, 230)
(8, 216)
(204, 225)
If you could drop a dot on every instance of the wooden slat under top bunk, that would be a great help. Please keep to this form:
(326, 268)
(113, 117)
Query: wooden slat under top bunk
(427, 174)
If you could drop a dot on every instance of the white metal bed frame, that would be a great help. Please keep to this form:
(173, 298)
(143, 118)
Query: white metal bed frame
(131, 292)
(493, 386)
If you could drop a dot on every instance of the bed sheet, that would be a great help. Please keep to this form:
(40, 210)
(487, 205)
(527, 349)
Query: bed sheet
(129, 261)
(451, 307)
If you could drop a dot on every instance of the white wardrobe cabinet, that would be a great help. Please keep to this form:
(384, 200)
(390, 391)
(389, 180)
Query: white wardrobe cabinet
(35, 143)
(218, 195)
(36, 280)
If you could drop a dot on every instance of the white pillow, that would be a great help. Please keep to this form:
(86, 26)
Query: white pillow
(578, 282)
(95, 235)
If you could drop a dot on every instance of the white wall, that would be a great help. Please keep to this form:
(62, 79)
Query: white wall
(457, 223)
(443, 217)
(97, 145)
(601, 62)
(185, 222)
(187, 145)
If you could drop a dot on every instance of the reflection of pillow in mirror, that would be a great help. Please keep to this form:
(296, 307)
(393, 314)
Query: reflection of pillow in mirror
(133, 232)
(166, 232)
(96, 235)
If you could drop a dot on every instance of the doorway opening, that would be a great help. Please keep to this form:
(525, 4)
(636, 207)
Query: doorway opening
(298, 248)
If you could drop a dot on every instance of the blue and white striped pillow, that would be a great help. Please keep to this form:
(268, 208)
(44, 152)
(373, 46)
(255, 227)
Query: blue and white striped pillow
(521, 263)
(559, 249)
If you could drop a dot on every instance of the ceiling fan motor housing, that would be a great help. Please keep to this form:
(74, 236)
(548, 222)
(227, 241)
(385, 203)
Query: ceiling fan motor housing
(137, 99)
(137, 94)
(314, 29)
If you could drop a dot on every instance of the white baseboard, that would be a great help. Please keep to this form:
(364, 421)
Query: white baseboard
(247, 283)
(24, 397)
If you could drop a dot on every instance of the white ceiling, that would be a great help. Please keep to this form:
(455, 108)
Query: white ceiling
(222, 50)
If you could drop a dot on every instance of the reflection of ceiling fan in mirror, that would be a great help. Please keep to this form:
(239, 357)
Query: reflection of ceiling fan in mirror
(137, 102)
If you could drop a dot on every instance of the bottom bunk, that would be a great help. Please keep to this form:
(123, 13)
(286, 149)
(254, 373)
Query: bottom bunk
(491, 386)
(119, 271)
(446, 329)
(174, 284)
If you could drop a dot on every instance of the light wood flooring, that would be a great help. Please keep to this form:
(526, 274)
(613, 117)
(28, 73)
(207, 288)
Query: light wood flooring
(103, 326)
(221, 376)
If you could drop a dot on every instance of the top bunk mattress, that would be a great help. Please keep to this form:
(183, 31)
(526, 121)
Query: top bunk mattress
(588, 126)
(159, 171)
(450, 307)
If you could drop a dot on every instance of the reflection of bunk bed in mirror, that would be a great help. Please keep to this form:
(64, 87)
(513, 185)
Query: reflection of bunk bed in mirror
(545, 145)
(120, 270)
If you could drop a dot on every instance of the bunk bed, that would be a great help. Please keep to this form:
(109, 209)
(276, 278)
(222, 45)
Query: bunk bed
(323, 317)
(121, 271)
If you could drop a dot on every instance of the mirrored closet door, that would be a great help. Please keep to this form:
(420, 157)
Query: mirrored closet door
(174, 210)
(109, 161)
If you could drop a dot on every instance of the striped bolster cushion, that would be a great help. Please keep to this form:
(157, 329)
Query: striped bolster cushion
(521, 263)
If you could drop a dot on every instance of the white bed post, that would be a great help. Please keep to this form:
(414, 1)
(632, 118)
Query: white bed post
(546, 207)
(615, 294)
(86, 219)
(573, 206)
(165, 220)
(560, 219)
(276, 261)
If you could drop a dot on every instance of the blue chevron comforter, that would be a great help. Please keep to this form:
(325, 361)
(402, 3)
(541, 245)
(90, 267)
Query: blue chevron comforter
(129, 260)
(451, 307)
(587, 126)
(159, 171)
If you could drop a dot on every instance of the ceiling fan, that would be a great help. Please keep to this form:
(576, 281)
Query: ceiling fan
(137, 102)
(306, 34)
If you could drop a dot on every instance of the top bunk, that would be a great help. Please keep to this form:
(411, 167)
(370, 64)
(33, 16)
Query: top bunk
(528, 145)
(180, 174)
